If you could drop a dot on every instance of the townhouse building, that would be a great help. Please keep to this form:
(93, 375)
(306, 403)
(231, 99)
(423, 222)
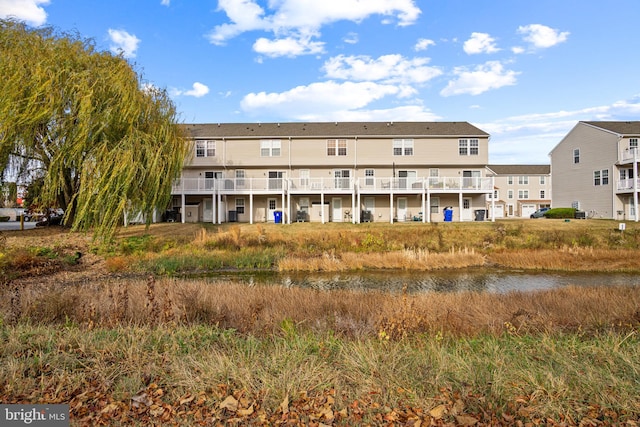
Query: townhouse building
(595, 169)
(334, 172)
(519, 190)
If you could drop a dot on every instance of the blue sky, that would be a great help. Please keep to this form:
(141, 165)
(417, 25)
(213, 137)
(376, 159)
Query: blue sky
(523, 71)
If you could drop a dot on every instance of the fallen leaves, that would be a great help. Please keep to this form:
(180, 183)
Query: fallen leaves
(221, 406)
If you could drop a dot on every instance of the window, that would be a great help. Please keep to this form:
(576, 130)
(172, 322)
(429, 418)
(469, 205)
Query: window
(542, 180)
(510, 194)
(523, 180)
(473, 147)
(468, 147)
(435, 205)
(523, 194)
(463, 147)
(633, 143)
(240, 206)
(403, 147)
(510, 180)
(576, 156)
(601, 177)
(205, 148)
(209, 180)
(493, 196)
(336, 147)
(542, 194)
(240, 175)
(304, 177)
(369, 177)
(270, 148)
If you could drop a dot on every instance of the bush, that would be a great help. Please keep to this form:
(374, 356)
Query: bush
(560, 213)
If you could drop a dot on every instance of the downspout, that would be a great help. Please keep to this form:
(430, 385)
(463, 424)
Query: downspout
(635, 185)
(493, 199)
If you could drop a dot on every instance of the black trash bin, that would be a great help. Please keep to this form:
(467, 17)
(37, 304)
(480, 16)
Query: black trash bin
(233, 216)
(480, 215)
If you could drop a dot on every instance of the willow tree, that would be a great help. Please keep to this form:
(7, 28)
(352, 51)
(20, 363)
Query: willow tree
(82, 120)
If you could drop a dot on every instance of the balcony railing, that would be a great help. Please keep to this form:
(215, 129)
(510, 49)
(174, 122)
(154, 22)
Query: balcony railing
(319, 185)
(630, 154)
(627, 184)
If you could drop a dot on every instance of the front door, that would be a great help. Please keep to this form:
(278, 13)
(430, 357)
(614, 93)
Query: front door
(401, 210)
(272, 205)
(336, 209)
(465, 214)
(207, 210)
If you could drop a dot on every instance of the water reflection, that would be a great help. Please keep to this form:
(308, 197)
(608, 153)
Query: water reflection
(477, 280)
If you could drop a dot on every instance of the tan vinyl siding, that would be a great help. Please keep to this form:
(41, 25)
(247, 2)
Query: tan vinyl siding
(574, 182)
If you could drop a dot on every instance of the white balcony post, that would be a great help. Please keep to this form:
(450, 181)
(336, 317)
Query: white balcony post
(182, 208)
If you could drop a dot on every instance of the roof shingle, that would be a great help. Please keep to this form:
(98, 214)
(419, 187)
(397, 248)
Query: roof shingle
(333, 129)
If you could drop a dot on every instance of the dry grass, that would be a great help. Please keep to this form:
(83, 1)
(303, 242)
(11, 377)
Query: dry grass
(260, 310)
(408, 259)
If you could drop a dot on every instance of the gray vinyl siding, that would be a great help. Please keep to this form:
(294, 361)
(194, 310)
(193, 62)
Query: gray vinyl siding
(574, 182)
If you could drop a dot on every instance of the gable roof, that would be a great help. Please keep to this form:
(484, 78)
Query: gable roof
(333, 129)
(521, 169)
(621, 128)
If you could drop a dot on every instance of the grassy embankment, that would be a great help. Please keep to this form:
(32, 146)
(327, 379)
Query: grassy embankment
(134, 351)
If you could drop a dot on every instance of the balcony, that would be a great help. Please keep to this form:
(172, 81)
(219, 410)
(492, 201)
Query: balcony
(629, 155)
(626, 185)
(369, 185)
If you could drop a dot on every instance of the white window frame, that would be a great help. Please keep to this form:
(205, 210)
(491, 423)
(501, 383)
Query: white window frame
(336, 147)
(510, 180)
(369, 177)
(542, 194)
(510, 194)
(434, 205)
(523, 180)
(403, 147)
(270, 148)
(205, 148)
(474, 147)
(463, 147)
(543, 180)
(576, 156)
(240, 204)
(523, 194)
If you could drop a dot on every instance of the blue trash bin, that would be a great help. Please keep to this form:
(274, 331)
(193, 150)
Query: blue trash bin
(448, 214)
(277, 217)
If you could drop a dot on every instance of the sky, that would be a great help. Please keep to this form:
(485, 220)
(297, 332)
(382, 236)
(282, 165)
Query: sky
(524, 71)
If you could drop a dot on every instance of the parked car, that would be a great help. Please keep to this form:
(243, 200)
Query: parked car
(539, 213)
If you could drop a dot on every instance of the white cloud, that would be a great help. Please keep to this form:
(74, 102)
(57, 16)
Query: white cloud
(490, 75)
(297, 19)
(386, 68)
(423, 44)
(30, 11)
(198, 90)
(517, 50)
(165, 2)
(529, 138)
(410, 113)
(480, 43)
(541, 36)
(351, 38)
(123, 42)
(318, 98)
(288, 46)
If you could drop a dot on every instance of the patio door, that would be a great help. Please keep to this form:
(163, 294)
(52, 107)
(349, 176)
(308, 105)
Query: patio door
(406, 179)
(342, 178)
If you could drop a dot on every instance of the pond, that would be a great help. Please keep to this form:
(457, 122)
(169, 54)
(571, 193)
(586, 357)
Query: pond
(478, 280)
